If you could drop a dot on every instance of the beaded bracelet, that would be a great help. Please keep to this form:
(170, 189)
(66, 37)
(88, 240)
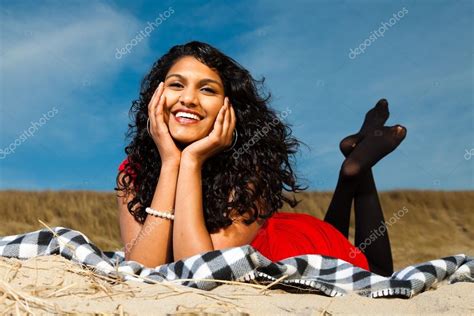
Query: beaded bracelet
(168, 215)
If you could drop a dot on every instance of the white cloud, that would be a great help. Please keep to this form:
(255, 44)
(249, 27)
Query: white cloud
(57, 58)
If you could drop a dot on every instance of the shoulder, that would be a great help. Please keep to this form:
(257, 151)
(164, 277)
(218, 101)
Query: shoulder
(125, 179)
(127, 167)
(238, 233)
(123, 164)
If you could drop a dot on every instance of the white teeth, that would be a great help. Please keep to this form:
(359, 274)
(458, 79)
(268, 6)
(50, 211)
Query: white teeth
(188, 115)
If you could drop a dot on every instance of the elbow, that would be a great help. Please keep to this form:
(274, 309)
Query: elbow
(180, 254)
(177, 257)
(184, 255)
(147, 262)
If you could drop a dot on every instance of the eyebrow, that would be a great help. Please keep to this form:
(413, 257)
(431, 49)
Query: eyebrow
(202, 81)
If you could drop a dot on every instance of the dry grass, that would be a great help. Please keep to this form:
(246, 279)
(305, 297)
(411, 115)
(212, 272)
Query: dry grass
(93, 213)
(22, 299)
(437, 223)
(46, 292)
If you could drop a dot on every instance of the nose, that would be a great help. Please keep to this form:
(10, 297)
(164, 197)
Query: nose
(188, 97)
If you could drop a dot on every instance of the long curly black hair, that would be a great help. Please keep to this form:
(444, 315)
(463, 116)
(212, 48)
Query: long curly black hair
(262, 157)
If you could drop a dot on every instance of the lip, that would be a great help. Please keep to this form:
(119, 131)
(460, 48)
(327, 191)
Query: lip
(184, 120)
(188, 111)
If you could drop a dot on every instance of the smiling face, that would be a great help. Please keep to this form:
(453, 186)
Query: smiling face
(194, 95)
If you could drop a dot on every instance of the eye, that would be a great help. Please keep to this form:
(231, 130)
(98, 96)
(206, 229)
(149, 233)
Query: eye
(178, 85)
(210, 90)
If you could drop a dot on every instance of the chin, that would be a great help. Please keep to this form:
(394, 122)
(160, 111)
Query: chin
(187, 135)
(184, 138)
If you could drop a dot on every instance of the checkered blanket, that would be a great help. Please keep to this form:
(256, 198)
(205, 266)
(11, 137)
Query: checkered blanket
(313, 273)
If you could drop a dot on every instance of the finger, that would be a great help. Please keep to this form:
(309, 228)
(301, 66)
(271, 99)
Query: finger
(155, 97)
(154, 100)
(219, 121)
(160, 121)
(152, 106)
(227, 117)
(232, 124)
(233, 118)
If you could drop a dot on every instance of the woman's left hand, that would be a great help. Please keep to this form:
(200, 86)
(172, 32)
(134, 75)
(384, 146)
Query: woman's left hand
(219, 139)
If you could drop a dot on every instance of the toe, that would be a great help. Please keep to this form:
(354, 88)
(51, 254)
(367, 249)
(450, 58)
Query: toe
(382, 102)
(400, 131)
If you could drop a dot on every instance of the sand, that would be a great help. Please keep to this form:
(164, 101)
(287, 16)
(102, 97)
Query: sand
(52, 284)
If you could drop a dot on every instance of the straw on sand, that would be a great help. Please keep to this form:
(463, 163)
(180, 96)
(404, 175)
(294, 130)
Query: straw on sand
(39, 297)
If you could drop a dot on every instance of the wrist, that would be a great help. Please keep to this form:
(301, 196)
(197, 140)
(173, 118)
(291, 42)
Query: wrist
(170, 164)
(188, 160)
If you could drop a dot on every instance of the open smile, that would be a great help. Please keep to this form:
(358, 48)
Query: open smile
(186, 118)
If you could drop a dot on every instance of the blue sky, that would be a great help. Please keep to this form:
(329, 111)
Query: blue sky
(60, 80)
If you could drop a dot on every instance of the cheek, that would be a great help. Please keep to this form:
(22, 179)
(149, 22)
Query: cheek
(213, 111)
(171, 97)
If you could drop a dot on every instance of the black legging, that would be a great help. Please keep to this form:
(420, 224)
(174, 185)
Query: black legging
(368, 217)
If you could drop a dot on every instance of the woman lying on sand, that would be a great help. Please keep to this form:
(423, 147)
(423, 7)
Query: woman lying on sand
(197, 178)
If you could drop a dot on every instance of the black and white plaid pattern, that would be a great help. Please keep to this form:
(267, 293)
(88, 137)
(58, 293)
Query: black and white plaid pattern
(314, 273)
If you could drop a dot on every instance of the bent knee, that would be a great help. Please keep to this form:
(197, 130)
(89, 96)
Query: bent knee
(350, 169)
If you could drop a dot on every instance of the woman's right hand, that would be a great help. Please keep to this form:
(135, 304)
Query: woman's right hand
(169, 152)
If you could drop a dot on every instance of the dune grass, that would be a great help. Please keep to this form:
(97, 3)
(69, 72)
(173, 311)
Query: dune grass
(425, 224)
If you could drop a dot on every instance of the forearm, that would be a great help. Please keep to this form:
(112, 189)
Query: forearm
(153, 245)
(190, 235)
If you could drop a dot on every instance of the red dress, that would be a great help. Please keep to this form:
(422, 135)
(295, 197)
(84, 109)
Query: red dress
(291, 234)
(286, 235)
